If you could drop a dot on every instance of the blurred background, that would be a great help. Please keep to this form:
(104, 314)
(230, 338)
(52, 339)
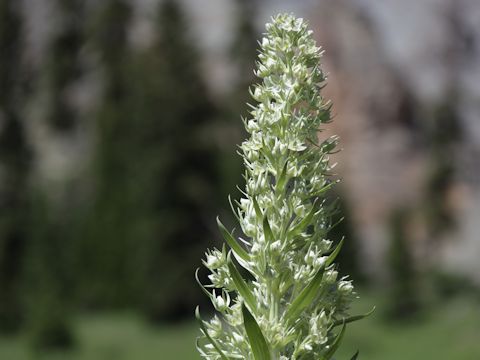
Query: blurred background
(119, 126)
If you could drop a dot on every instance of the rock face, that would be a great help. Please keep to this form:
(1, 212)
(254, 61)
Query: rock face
(392, 71)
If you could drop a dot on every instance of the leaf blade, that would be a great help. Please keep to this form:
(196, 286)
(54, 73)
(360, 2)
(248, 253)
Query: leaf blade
(232, 243)
(260, 348)
(354, 318)
(304, 222)
(267, 230)
(355, 356)
(336, 343)
(257, 209)
(282, 178)
(334, 254)
(207, 335)
(241, 285)
(206, 292)
(306, 296)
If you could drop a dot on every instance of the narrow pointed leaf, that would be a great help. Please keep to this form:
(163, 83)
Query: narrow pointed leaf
(333, 226)
(258, 211)
(201, 285)
(241, 285)
(267, 230)
(336, 343)
(259, 345)
(334, 254)
(355, 356)
(233, 208)
(282, 178)
(326, 187)
(234, 245)
(354, 318)
(205, 332)
(297, 229)
(306, 296)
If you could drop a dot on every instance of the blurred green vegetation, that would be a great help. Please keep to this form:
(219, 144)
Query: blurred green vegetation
(405, 292)
(128, 230)
(15, 163)
(446, 331)
(449, 331)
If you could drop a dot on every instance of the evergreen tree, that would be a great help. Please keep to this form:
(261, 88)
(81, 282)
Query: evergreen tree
(63, 64)
(244, 49)
(243, 53)
(446, 131)
(14, 168)
(404, 296)
(47, 281)
(445, 135)
(104, 279)
(48, 271)
(175, 171)
(348, 259)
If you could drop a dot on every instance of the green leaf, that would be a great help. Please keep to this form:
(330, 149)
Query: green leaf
(282, 178)
(259, 345)
(324, 115)
(241, 285)
(334, 254)
(354, 318)
(234, 245)
(297, 229)
(233, 209)
(306, 296)
(267, 230)
(329, 144)
(205, 332)
(355, 356)
(326, 187)
(258, 211)
(201, 285)
(336, 343)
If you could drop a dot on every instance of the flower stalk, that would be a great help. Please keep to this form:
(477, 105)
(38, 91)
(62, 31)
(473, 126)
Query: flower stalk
(277, 290)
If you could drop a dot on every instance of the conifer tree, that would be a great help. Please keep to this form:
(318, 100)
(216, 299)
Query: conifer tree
(243, 52)
(244, 46)
(446, 131)
(445, 136)
(104, 279)
(63, 63)
(176, 168)
(349, 257)
(445, 141)
(404, 296)
(47, 276)
(48, 266)
(14, 167)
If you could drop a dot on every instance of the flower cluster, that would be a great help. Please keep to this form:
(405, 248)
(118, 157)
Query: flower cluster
(277, 290)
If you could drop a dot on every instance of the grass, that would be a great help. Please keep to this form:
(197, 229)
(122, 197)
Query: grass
(450, 331)
(121, 336)
(444, 332)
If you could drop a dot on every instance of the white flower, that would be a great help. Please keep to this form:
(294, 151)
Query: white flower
(221, 303)
(215, 259)
(345, 287)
